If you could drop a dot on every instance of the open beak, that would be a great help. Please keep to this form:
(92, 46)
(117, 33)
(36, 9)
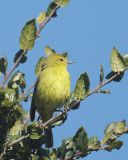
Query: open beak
(69, 62)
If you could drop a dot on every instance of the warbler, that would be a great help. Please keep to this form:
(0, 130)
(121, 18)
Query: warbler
(51, 90)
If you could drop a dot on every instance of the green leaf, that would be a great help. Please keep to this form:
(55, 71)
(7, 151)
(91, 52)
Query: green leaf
(107, 137)
(72, 101)
(115, 145)
(3, 64)
(67, 149)
(53, 154)
(61, 149)
(93, 143)
(17, 80)
(111, 127)
(126, 59)
(117, 78)
(49, 51)
(81, 140)
(18, 54)
(41, 18)
(117, 61)
(34, 157)
(28, 35)
(10, 94)
(13, 115)
(2, 96)
(43, 153)
(82, 86)
(70, 148)
(101, 73)
(105, 91)
(34, 131)
(93, 140)
(62, 3)
(113, 131)
(36, 140)
(58, 121)
(26, 97)
(65, 54)
(50, 9)
(39, 65)
(120, 127)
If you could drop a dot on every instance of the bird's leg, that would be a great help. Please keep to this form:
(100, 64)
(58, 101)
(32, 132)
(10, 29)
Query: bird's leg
(40, 122)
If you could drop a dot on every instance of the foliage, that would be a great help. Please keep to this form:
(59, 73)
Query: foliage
(20, 140)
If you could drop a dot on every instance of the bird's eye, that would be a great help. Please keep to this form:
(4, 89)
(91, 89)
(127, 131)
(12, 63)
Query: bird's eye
(61, 59)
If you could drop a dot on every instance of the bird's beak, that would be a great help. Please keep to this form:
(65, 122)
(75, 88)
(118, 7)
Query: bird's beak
(69, 62)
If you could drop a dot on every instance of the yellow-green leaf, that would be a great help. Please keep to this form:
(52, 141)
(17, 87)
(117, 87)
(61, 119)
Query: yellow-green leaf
(126, 59)
(106, 137)
(39, 66)
(117, 61)
(120, 127)
(41, 18)
(49, 51)
(104, 91)
(28, 35)
(62, 3)
(110, 127)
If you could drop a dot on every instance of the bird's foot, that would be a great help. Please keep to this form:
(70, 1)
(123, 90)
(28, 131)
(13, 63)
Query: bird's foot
(40, 122)
(65, 111)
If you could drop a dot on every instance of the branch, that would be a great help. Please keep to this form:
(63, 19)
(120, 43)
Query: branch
(23, 93)
(18, 140)
(18, 60)
(65, 110)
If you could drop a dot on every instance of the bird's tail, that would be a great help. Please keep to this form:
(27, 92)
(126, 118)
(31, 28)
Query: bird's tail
(48, 138)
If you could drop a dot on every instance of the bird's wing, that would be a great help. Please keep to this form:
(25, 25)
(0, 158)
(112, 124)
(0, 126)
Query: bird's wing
(33, 107)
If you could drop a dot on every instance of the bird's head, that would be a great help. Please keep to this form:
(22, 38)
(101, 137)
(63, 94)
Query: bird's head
(57, 60)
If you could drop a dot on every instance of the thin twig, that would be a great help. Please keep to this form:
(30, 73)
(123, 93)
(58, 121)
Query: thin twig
(23, 93)
(5, 149)
(47, 20)
(3, 153)
(13, 68)
(26, 120)
(18, 140)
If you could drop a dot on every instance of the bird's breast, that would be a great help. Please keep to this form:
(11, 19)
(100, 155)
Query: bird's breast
(52, 90)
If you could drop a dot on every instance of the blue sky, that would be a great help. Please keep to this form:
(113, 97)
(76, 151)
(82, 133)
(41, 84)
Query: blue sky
(87, 30)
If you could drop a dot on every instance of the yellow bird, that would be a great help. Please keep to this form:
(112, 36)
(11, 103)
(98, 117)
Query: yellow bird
(51, 90)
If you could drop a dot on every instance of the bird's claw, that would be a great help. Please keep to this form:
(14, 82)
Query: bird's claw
(64, 111)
